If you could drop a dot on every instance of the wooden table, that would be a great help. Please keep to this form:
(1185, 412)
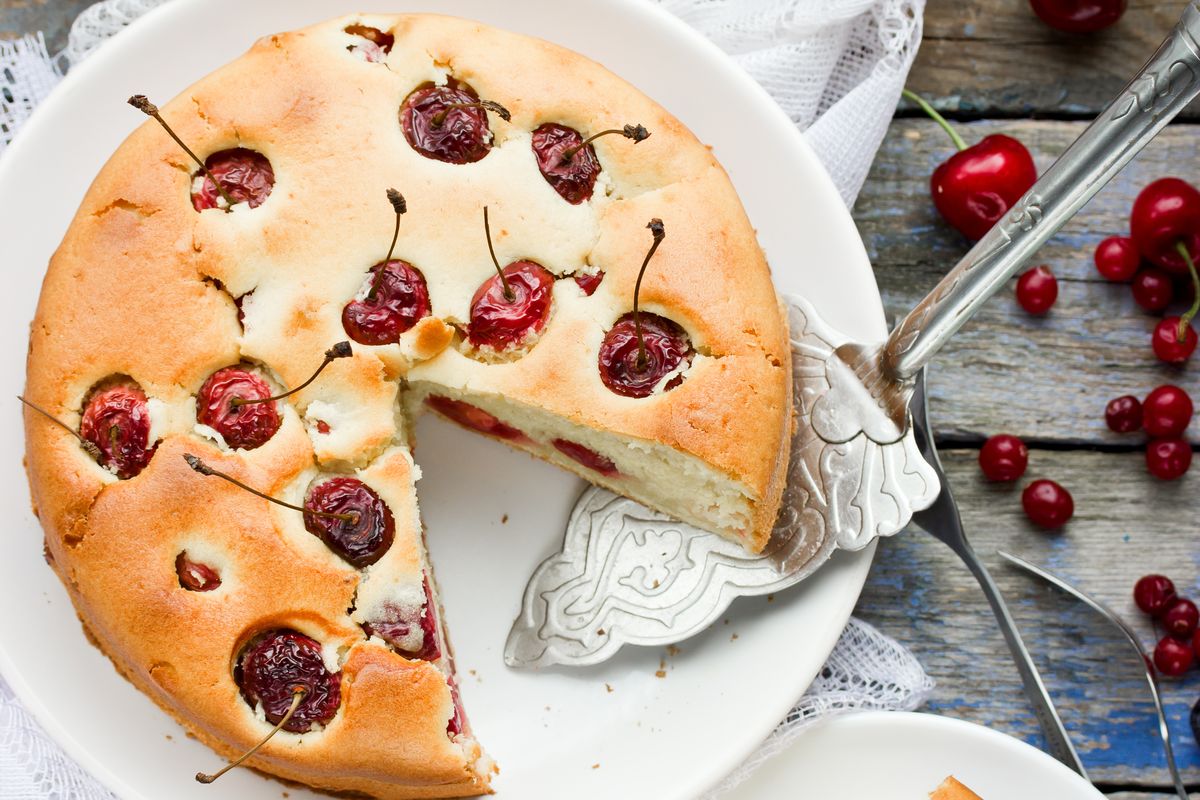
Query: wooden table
(993, 66)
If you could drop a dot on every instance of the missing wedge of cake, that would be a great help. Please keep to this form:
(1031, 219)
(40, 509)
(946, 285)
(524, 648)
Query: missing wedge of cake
(373, 218)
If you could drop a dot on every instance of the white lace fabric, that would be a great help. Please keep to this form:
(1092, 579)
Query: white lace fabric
(835, 66)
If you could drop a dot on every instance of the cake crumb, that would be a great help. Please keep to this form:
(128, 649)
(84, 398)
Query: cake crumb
(656, 583)
(726, 620)
(599, 631)
(596, 765)
(733, 638)
(770, 598)
(662, 673)
(504, 520)
(469, 672)
(608, 688)
(170, 738)
(672, 650)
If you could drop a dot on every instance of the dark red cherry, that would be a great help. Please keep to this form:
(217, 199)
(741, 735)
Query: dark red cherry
(1047, 504)
(975, 187)
(1153, 289)
(667, 349)
(1167, 411)
(458, 720)
(117, 420)
(438, 127)
(1154, 594)
(1168, 459)
(1172, 657)
(410, 631)
(575, 178)
(1123, 414)
(1180, 618)
(1165, 214)
(195, 576)
(400, 298)
(473, 417)
(1037, 289)
(1079, 16)
(501, 322)
(1003, 458)
(1117, 258)
(1167, 344)
(586, 456)
(244, 426)
(246, 176)
(277, 664)
(361, 540)
(589, 281)
(374, 45)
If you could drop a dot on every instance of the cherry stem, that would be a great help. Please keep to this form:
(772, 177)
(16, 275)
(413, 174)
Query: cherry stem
(637, 133)
(90, 447)
(487, 230)
(487, 105)
(398, 203)
(936, 117)
(659, 233)
(204, 469)
(339, 350)
(1186, 320)
(297, 695)
(141, 103)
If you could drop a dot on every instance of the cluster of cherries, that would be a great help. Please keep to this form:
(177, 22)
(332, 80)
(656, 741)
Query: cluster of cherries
(1177, 650)
(1165, 415)
(1005, 458)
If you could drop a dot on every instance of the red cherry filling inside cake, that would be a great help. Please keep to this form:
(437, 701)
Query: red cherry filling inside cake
(117, 421)
(231, 402)
(245, 175)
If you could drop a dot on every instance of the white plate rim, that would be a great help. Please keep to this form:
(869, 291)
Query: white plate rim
(856, 566)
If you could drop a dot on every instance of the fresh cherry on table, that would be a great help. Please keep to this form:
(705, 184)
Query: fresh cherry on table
(1165, 214)
(1047, 504)
(1167, 411)
(449, 122)
(1168, 459)
(387, 305)
(587, 457)
(1180, 618)
(473, 417)
(194, 575)
(1167, 344)
(1123, 414)
(1037, 289)
(1117, 258)
(1003, 458)
(246, 175)
(374, 45)
(1154, 594)
(1153, 289)
(1079, 16)
(117, 421)
(242, 425)
(281, 662)
(976, 186)
(1172, 657)
(362, 539)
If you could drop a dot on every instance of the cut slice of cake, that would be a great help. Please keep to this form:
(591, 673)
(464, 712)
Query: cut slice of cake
(951, 789)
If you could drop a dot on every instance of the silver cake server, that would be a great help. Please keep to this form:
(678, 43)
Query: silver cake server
(627, 575)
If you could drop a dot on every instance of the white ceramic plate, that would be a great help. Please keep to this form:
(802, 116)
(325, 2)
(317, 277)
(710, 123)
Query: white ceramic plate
(652, 737)
(909, 755)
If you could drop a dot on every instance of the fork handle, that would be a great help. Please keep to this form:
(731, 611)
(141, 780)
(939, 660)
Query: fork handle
(1168, 81)
(1057, 741)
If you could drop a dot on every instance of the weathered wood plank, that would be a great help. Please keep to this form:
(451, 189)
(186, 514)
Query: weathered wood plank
(996, 58)
(1126, 525)
(1047, 378)
(52, 17)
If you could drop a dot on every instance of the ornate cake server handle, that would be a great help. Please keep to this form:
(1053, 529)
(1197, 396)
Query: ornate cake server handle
(1167, 83)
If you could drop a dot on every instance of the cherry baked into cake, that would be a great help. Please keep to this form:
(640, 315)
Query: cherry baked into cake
(348, 226)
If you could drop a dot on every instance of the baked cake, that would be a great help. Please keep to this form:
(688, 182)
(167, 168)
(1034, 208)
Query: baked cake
(184, 300)
(951, 789)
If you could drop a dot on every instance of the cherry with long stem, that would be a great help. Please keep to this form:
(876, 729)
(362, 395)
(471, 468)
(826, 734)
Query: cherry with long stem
(297, 696)
(637, 133)
(401, 207)
(1189, 315)
(339, 350)
(143, 104)
(204, 469)
(487, 231)
(936, 117)
(659, 232)
(487, 105)
(90, 447)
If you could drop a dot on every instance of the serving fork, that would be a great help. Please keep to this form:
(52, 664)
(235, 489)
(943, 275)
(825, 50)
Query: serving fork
(943, 521)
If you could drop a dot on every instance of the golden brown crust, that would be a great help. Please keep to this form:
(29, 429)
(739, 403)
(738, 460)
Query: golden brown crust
(143, 286)
(951, 789)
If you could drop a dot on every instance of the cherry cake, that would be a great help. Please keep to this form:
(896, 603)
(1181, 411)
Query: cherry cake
(176, 312)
